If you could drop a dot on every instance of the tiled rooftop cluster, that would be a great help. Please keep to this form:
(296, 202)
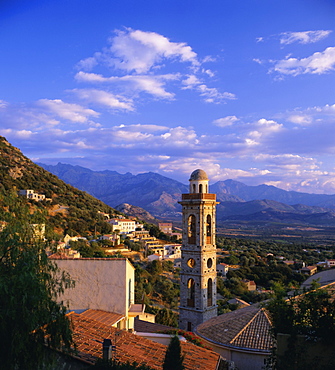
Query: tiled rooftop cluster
(89, 334)
(247, 328)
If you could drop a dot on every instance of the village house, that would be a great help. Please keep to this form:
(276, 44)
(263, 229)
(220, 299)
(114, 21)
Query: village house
(309, 270)
(105, 284)
(242, 336)
(114, 238)
(222, 268)
(165, 227)
(124, 226)
(30, 194)
(251, 285)
(330, 263)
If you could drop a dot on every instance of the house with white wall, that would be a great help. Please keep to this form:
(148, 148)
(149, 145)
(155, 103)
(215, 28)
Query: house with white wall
(106, 284)
(30, 194)
(124, 225)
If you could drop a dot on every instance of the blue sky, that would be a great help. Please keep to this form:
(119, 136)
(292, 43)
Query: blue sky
(242, 89)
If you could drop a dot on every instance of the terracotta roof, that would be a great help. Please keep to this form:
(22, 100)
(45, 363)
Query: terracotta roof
(238, 301)
(88, 334)
(247, 328)
(105, 317)
(149, 327)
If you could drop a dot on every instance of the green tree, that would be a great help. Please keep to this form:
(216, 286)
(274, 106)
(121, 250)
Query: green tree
(173, 358)
(30, 283)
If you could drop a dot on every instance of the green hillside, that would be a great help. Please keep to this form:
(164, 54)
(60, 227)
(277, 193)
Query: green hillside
(69, 210)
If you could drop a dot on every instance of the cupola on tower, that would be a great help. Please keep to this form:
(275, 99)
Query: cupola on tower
(198, 254)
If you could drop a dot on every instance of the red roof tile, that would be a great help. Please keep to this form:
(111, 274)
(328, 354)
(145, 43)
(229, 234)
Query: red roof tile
(89, 334)
(247, 328)
(105, 317)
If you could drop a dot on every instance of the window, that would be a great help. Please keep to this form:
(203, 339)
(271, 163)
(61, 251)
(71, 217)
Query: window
(200, 188)
(209, 292)
(129, 293)
(190, 292)
(208, 229)
(191, 229)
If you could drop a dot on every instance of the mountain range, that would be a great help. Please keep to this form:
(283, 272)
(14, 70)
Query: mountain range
(159, 195)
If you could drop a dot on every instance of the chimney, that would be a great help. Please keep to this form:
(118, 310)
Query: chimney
(107, 349)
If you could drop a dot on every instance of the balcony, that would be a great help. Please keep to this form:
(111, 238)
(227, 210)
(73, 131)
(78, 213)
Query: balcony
(198, 196)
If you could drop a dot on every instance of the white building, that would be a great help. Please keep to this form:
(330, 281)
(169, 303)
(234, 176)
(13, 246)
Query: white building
(106, 284)
(30, 194)
(222, 268)
(125, 225)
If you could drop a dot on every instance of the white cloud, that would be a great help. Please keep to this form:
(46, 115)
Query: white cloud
(139, 51)
(105, 98)
(265, 127)
(139, 55)
(318, 63)
(191, 81)
(213, 95)
(300, 119)
(306, 37)
(71, 112)
(150, 84)
(225, 121)
(3, 104)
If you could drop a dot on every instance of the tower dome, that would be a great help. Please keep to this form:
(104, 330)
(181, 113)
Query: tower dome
(198, 175)
(198, 182)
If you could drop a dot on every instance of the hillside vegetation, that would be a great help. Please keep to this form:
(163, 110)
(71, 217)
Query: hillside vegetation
(69, 210)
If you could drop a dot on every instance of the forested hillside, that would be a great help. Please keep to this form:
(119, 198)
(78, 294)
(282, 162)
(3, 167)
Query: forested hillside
(69, 210)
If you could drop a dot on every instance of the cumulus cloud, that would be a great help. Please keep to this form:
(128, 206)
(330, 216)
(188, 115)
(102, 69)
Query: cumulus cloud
(150, 84)
(318, 63)
(105, 98)
(70, 112)
(136, 56)
(139, 51)
(226, 121)
(305, 37)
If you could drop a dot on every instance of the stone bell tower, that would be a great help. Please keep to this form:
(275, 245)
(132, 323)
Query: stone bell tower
(198, 254)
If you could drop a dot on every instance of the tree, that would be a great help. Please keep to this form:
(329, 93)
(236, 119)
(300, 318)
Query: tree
(307, 322)
(173, 357)
(30, 283)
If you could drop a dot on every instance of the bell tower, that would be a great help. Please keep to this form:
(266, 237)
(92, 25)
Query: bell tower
(198, 254)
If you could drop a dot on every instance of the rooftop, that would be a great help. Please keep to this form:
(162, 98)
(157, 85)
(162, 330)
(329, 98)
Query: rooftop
(247, 328)
(88, 334)
(104, 317)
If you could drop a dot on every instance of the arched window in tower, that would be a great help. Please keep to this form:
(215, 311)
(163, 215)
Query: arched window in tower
(200, 188)
(206, 188)
(209, 292)
(193, 187)
(209, 229)
(190, 292)
(191, 229)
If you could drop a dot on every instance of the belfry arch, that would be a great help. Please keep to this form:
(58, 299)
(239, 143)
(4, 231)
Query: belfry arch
(191, 229)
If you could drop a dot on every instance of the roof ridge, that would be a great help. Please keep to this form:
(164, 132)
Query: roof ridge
(246, 326)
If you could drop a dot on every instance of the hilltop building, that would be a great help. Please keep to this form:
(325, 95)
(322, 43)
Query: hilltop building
(198, 254)
(30, 194)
